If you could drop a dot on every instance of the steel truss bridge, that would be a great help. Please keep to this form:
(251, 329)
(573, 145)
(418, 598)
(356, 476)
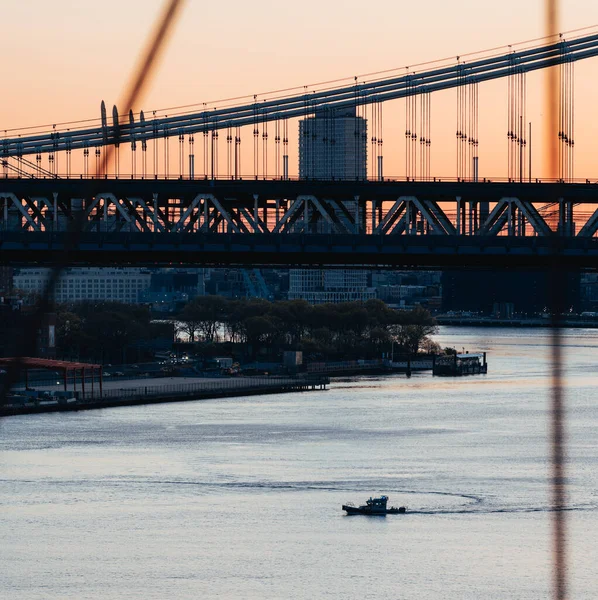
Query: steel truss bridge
(264, 220)
(294, 223)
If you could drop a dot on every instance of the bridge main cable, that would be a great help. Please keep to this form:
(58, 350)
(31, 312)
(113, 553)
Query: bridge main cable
(297, 105)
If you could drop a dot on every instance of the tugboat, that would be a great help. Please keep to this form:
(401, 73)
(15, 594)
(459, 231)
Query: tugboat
(374, 506)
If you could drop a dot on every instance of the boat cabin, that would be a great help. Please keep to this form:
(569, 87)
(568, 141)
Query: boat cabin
(377, 504)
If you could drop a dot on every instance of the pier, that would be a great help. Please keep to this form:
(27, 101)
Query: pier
(461, 364)
(136, 392)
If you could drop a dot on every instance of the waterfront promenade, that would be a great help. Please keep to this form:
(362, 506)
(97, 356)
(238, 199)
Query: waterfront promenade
(49, 398)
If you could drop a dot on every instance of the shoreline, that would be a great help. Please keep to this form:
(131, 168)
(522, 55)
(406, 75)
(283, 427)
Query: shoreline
(514, 323)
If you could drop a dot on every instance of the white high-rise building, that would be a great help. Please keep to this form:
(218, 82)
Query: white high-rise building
(87, 284)
(332, 145)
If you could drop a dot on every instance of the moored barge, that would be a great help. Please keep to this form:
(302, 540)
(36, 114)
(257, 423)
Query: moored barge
(456, 365)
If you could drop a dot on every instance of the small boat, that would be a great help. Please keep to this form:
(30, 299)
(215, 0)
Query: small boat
(374, 506)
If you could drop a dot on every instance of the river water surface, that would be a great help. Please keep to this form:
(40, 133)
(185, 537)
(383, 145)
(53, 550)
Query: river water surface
(241, 498)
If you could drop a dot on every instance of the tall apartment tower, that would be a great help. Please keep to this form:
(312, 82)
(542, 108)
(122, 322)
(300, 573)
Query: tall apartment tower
(332, 145)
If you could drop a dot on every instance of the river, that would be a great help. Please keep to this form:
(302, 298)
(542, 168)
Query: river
(241, 498)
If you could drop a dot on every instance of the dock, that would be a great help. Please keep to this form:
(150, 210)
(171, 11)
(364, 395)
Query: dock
(137, 392)
(456, 365)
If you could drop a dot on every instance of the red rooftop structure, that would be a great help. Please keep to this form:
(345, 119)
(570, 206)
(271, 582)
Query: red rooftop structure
(63, 366)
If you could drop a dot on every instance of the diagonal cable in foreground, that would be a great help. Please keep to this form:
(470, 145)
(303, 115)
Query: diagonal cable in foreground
(133, 93)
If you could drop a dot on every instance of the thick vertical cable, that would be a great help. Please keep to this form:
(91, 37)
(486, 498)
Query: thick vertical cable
(76, 226)
(557, 412)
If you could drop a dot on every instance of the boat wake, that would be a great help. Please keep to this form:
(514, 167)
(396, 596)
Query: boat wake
(445, 503)
(466, 503)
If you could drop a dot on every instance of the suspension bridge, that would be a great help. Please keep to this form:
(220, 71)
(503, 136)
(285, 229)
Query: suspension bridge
(171, 208)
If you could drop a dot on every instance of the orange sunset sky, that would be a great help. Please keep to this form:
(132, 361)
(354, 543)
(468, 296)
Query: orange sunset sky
(63, 57)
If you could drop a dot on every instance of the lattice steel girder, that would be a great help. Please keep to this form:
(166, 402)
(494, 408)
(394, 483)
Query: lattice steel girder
(310, 207)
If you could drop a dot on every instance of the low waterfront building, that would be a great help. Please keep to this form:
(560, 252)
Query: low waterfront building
(124, 285)
(318, 286)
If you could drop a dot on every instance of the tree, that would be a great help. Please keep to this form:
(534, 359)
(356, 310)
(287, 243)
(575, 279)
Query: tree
(204, 315)
(294, 316)
(257, 329)
(101, 330)
(188, 321)
(70, 336)
(412, 328)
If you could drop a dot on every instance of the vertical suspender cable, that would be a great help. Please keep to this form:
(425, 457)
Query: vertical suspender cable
(572, 121)
(414, 136)
(256, 134)
(380, 135)
(407, 132)
(265, 145)
(458, 132)
(285, 150)
(191, 157)
(561, 118)
(277, 145)
(229, 151)
(430, 137)
(373, 141)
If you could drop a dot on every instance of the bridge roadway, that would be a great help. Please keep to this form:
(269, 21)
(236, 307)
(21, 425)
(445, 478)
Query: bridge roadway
(81, 222)
(246, 189)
